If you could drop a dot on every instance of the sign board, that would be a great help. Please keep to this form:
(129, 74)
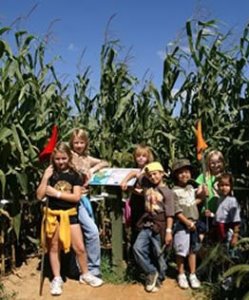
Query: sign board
(112, 177)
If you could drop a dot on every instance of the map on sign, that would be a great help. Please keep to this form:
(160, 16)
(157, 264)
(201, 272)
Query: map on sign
(111, 176)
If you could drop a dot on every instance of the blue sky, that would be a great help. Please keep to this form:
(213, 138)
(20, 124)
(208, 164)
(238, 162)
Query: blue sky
(145, 26)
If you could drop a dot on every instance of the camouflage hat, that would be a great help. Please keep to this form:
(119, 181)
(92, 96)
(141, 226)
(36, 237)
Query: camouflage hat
(180, 163)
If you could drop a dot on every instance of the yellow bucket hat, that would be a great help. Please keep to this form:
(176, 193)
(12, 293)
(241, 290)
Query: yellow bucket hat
(154, 166)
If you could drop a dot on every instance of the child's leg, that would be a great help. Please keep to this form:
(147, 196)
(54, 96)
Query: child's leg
(54, 253)
(194, 281)
(92, 240)
(180, 264)
(78, 247)
(192, 262)
(54, 258)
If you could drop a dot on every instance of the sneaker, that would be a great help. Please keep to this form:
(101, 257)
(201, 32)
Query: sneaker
(151, 281)
(56, 286)
(182, 281)
(194, 281)
(90, 279)
(157, 287)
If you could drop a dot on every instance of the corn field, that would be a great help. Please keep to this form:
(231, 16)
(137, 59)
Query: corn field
(209, 80)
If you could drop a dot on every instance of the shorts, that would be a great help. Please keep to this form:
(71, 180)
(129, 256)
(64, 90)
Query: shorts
(72, 219)
(182, 243)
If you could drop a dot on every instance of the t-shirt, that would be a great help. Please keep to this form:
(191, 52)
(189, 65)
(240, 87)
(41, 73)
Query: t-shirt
(185, 202)
(228, 210)
(64, 182)
(212, 198)
(158, 200)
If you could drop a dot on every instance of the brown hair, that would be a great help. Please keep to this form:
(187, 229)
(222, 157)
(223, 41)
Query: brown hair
(142, 149)
(64, 148)
(82, 134)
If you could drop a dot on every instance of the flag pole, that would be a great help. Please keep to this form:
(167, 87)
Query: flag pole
(43, 156)
(200, 147)
(44, 246)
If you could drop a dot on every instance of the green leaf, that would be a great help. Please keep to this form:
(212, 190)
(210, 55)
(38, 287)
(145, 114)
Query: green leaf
(3, 182)
(23, 180)
(4, 133)
(17, 224)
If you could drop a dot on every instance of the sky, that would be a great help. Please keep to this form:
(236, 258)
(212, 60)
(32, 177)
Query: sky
(144, 28)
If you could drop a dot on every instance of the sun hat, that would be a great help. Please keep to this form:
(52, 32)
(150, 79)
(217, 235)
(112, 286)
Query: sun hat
(180, 163)
(154, 166)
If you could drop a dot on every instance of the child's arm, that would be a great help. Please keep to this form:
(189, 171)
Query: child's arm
(65, 196)
(96, 164)
(169, 236)
(128, 177)
(190, 224)
(41, 190)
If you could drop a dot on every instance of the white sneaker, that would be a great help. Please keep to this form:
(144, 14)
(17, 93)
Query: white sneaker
(90, 279)
(56, 286)
(182, 281)
(194, 281)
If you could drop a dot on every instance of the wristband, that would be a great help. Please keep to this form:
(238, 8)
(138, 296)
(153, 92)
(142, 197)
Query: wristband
(168, 230)
(58, 195)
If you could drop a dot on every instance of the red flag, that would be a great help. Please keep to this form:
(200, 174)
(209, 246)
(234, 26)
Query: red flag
(201, 144)
(48, 149)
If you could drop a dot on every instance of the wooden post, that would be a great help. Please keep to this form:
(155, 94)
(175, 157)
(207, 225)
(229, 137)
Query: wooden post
(118, 263)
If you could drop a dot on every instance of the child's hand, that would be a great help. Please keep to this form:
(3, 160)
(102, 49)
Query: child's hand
(234, 239)
(168, 238)
(202, 191)
(191, 226)
(123, 185)
(51, 192)
(208, 213)
(138, 191)
(48, 172)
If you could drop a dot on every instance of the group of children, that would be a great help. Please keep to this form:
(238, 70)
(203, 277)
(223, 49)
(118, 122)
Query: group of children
(160, 216)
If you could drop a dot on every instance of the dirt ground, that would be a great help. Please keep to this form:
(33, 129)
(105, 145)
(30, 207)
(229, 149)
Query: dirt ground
(25, 283)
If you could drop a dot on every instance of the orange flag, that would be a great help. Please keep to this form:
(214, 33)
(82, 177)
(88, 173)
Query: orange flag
(201, 144)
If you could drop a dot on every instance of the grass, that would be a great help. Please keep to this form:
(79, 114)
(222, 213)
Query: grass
(4, 295)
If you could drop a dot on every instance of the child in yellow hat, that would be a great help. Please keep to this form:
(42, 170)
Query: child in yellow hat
(155, 227)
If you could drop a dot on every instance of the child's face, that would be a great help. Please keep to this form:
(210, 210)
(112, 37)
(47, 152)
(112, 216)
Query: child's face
(156, 177)
(79, 145)
(224, 187)
(141, 159)
(61, 160)
(183, 176)
(215, 165)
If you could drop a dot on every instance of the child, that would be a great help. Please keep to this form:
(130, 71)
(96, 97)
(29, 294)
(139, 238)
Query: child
(62, 185)
(227, 216)
(187, 226)
(142, 156)
(87, 166)
(215, 166)
(155, 228)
